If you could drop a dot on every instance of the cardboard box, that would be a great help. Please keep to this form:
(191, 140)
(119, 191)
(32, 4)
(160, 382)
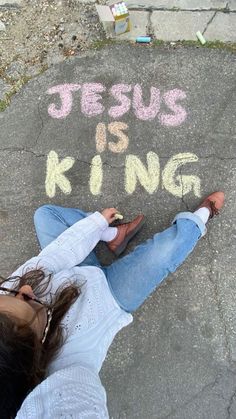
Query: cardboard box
(115, 18)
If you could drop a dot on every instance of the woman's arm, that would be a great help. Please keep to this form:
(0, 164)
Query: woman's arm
(71, 247)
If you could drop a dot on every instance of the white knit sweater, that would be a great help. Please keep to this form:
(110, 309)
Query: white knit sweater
(72, 388)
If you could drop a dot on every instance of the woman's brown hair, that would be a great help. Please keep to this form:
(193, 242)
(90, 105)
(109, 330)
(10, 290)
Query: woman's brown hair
(23, 358)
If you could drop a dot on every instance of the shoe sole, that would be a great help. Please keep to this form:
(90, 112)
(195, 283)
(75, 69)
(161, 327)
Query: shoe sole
(120, 249)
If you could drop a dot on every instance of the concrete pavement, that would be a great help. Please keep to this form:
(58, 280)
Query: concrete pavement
(177, 20)
(160, 136)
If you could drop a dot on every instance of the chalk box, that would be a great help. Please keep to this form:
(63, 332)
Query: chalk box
(115, 18)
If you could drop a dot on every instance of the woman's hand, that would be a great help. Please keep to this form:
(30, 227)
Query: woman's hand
(109, 214)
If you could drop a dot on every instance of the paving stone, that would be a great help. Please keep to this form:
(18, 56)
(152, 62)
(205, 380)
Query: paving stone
(232, 5)
(139, 22)
(201, 4)
(175, 26)
(145, 4)
(179, 4)
(10, 3)
(4, 88)
(222, 28)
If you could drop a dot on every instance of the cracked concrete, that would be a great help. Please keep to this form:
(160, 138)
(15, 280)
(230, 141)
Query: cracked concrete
(208, 23)
(181, 25)
(230, 406)
(194, 397)
(183, 5)
(178, 359)
(219, 304)
(224, 33)
(180, 20)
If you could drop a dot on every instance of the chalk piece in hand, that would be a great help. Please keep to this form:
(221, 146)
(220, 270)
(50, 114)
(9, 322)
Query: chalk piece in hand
(118, 216)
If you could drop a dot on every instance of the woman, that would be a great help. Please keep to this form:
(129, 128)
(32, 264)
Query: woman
(60, 311)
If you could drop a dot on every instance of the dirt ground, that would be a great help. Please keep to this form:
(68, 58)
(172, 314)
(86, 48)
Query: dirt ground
(39, 34)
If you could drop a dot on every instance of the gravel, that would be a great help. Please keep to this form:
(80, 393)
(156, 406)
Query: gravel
(37, 34)
(2, 26)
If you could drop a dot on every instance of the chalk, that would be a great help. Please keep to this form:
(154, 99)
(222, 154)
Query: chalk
(143, 39)
(201, 38)
(118, 216)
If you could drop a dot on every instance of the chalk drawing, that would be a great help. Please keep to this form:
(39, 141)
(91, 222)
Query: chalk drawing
(146, 112)
(115, 128)
(128, 97)
(55, 174)
(65, 92)
(180, 185)
(90, 104)
(100, 137)
(179, 115)
(135, 170)
(96, 175)
(117, 92)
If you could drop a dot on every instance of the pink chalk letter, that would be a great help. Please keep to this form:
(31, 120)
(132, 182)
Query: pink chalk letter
(180, 113)
(146, 112)
(65, 92)
(117, 91)
(90, 105)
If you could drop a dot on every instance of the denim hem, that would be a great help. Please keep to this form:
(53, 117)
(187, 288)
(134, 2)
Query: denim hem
(193, 217)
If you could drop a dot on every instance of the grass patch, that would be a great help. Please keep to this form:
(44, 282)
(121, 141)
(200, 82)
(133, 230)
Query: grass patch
(100, 43)
(209, 44)
(4, 103)
(221, 45)
(158, 43)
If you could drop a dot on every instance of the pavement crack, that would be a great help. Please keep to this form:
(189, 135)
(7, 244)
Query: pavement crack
(25, 150)
(214, 156)
(208, 386)
(217, 298)
(231, 401)
(149, 27)
(210, 156)
(22, 150)
(105, 163)
(182, 190)
(227, 8)
(209, 22)
(141, 7)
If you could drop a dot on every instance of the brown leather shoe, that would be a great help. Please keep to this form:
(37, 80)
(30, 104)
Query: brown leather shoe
(214, 203)
(125, 233)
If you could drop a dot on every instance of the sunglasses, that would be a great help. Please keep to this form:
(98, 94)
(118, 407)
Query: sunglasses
(27, 298)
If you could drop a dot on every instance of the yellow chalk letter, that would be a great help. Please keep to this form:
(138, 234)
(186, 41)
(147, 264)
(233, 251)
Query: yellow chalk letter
(135, 169)
(55, 174)
(180, 185)
(96, 175)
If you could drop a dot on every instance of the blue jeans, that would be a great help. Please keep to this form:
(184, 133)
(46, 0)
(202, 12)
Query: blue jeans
(131, 278)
